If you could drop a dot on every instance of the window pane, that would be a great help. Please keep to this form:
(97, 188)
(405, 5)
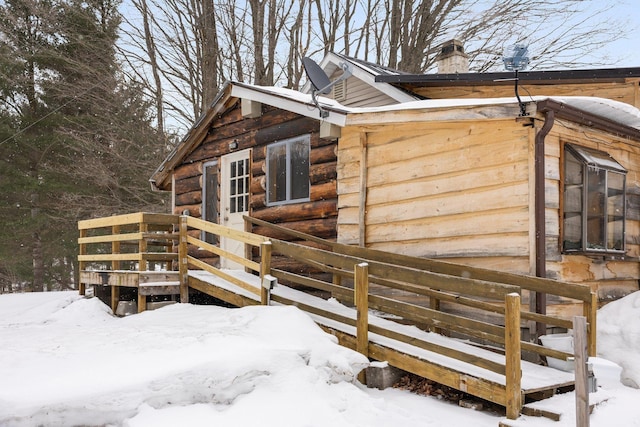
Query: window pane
(232, 204)
(233, 170)
(276, 173)
(573, 170)
(572, 232)
(300, 169)
(615, 210)
(595, 207)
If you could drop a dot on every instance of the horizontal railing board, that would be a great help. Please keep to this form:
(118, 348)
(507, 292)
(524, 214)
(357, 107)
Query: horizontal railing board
(438, 319)
(225, 254)
(220, 273)
(220, 230)
(337, 291)
(128, 219)
(538, 284)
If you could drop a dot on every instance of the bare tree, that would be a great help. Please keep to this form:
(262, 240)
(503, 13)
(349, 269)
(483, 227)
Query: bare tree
(262, 41)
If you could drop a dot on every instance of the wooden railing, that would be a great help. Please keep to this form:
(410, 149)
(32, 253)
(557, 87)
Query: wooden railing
(351, 274)
(577, 292)
(357, 274)
(191, 227)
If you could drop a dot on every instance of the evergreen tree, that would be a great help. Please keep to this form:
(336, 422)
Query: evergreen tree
(78, 140)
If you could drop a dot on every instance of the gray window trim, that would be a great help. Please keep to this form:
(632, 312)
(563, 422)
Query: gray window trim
(287, 142)
(596, 160)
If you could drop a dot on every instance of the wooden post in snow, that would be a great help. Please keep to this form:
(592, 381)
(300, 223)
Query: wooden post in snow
(590, 312)
(361, 298)
(512, 356)
(580, 354)
(265, 268)
(183, 263)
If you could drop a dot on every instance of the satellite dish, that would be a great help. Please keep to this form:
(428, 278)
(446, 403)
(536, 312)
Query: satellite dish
(320, 81)
(316, 75)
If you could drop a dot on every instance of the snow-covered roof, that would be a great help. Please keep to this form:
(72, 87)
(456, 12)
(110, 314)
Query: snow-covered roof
(613, 116)
(612, 110)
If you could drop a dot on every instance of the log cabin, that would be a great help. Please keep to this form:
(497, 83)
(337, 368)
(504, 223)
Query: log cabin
(461, 170)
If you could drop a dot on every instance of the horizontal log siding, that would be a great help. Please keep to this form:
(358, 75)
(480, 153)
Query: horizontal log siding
(625, 92)
(317, 216)
(612, 277)
(440, 190)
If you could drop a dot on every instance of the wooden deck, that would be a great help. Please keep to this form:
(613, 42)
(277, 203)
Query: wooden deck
(147, 283)
(486, 359)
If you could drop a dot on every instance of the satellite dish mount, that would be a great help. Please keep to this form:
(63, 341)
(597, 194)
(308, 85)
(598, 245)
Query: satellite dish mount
(320, 82)
(516, 59)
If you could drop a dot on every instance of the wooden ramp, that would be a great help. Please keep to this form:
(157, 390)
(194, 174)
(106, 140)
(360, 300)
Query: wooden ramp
(412, 356)
(370, 300)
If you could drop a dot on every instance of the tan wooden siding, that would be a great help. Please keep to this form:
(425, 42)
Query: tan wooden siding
(625, 92)
(438, 190)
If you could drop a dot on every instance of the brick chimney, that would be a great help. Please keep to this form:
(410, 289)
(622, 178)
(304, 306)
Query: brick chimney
(452, 58)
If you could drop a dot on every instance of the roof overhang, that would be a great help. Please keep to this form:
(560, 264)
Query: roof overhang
(618, 119)
(291, 100)
(230, 92)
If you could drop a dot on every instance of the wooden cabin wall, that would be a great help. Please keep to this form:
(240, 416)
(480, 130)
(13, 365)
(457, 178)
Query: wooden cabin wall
(611, 276)
(317, 216)
(627, 91)
(455, 190)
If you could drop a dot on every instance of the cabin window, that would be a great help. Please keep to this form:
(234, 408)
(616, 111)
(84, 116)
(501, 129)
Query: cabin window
(210, 199)
(594, 201)
(288, 171)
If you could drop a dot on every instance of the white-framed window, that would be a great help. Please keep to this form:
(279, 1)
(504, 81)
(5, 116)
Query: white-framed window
(594, 201)
(288, 171)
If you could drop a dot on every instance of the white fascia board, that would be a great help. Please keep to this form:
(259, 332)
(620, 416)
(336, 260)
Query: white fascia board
(301, 104)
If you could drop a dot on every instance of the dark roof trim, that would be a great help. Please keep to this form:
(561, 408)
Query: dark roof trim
(506, 78)
(582, 117)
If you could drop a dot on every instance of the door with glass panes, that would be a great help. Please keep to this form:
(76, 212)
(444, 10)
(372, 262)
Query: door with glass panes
(234, 201)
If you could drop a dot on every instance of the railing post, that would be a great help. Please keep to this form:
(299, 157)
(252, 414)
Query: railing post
(361, 298)
(581, 380)
(142, 246)
(434, 304)
(590, 310)
(512, 356)
(183, 262)
(265, 268)
(115, 247)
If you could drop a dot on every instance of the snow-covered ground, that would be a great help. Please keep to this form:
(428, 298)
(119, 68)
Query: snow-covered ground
(65, 360)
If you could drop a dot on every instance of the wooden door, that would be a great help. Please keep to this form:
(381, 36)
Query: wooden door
(234, 201)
